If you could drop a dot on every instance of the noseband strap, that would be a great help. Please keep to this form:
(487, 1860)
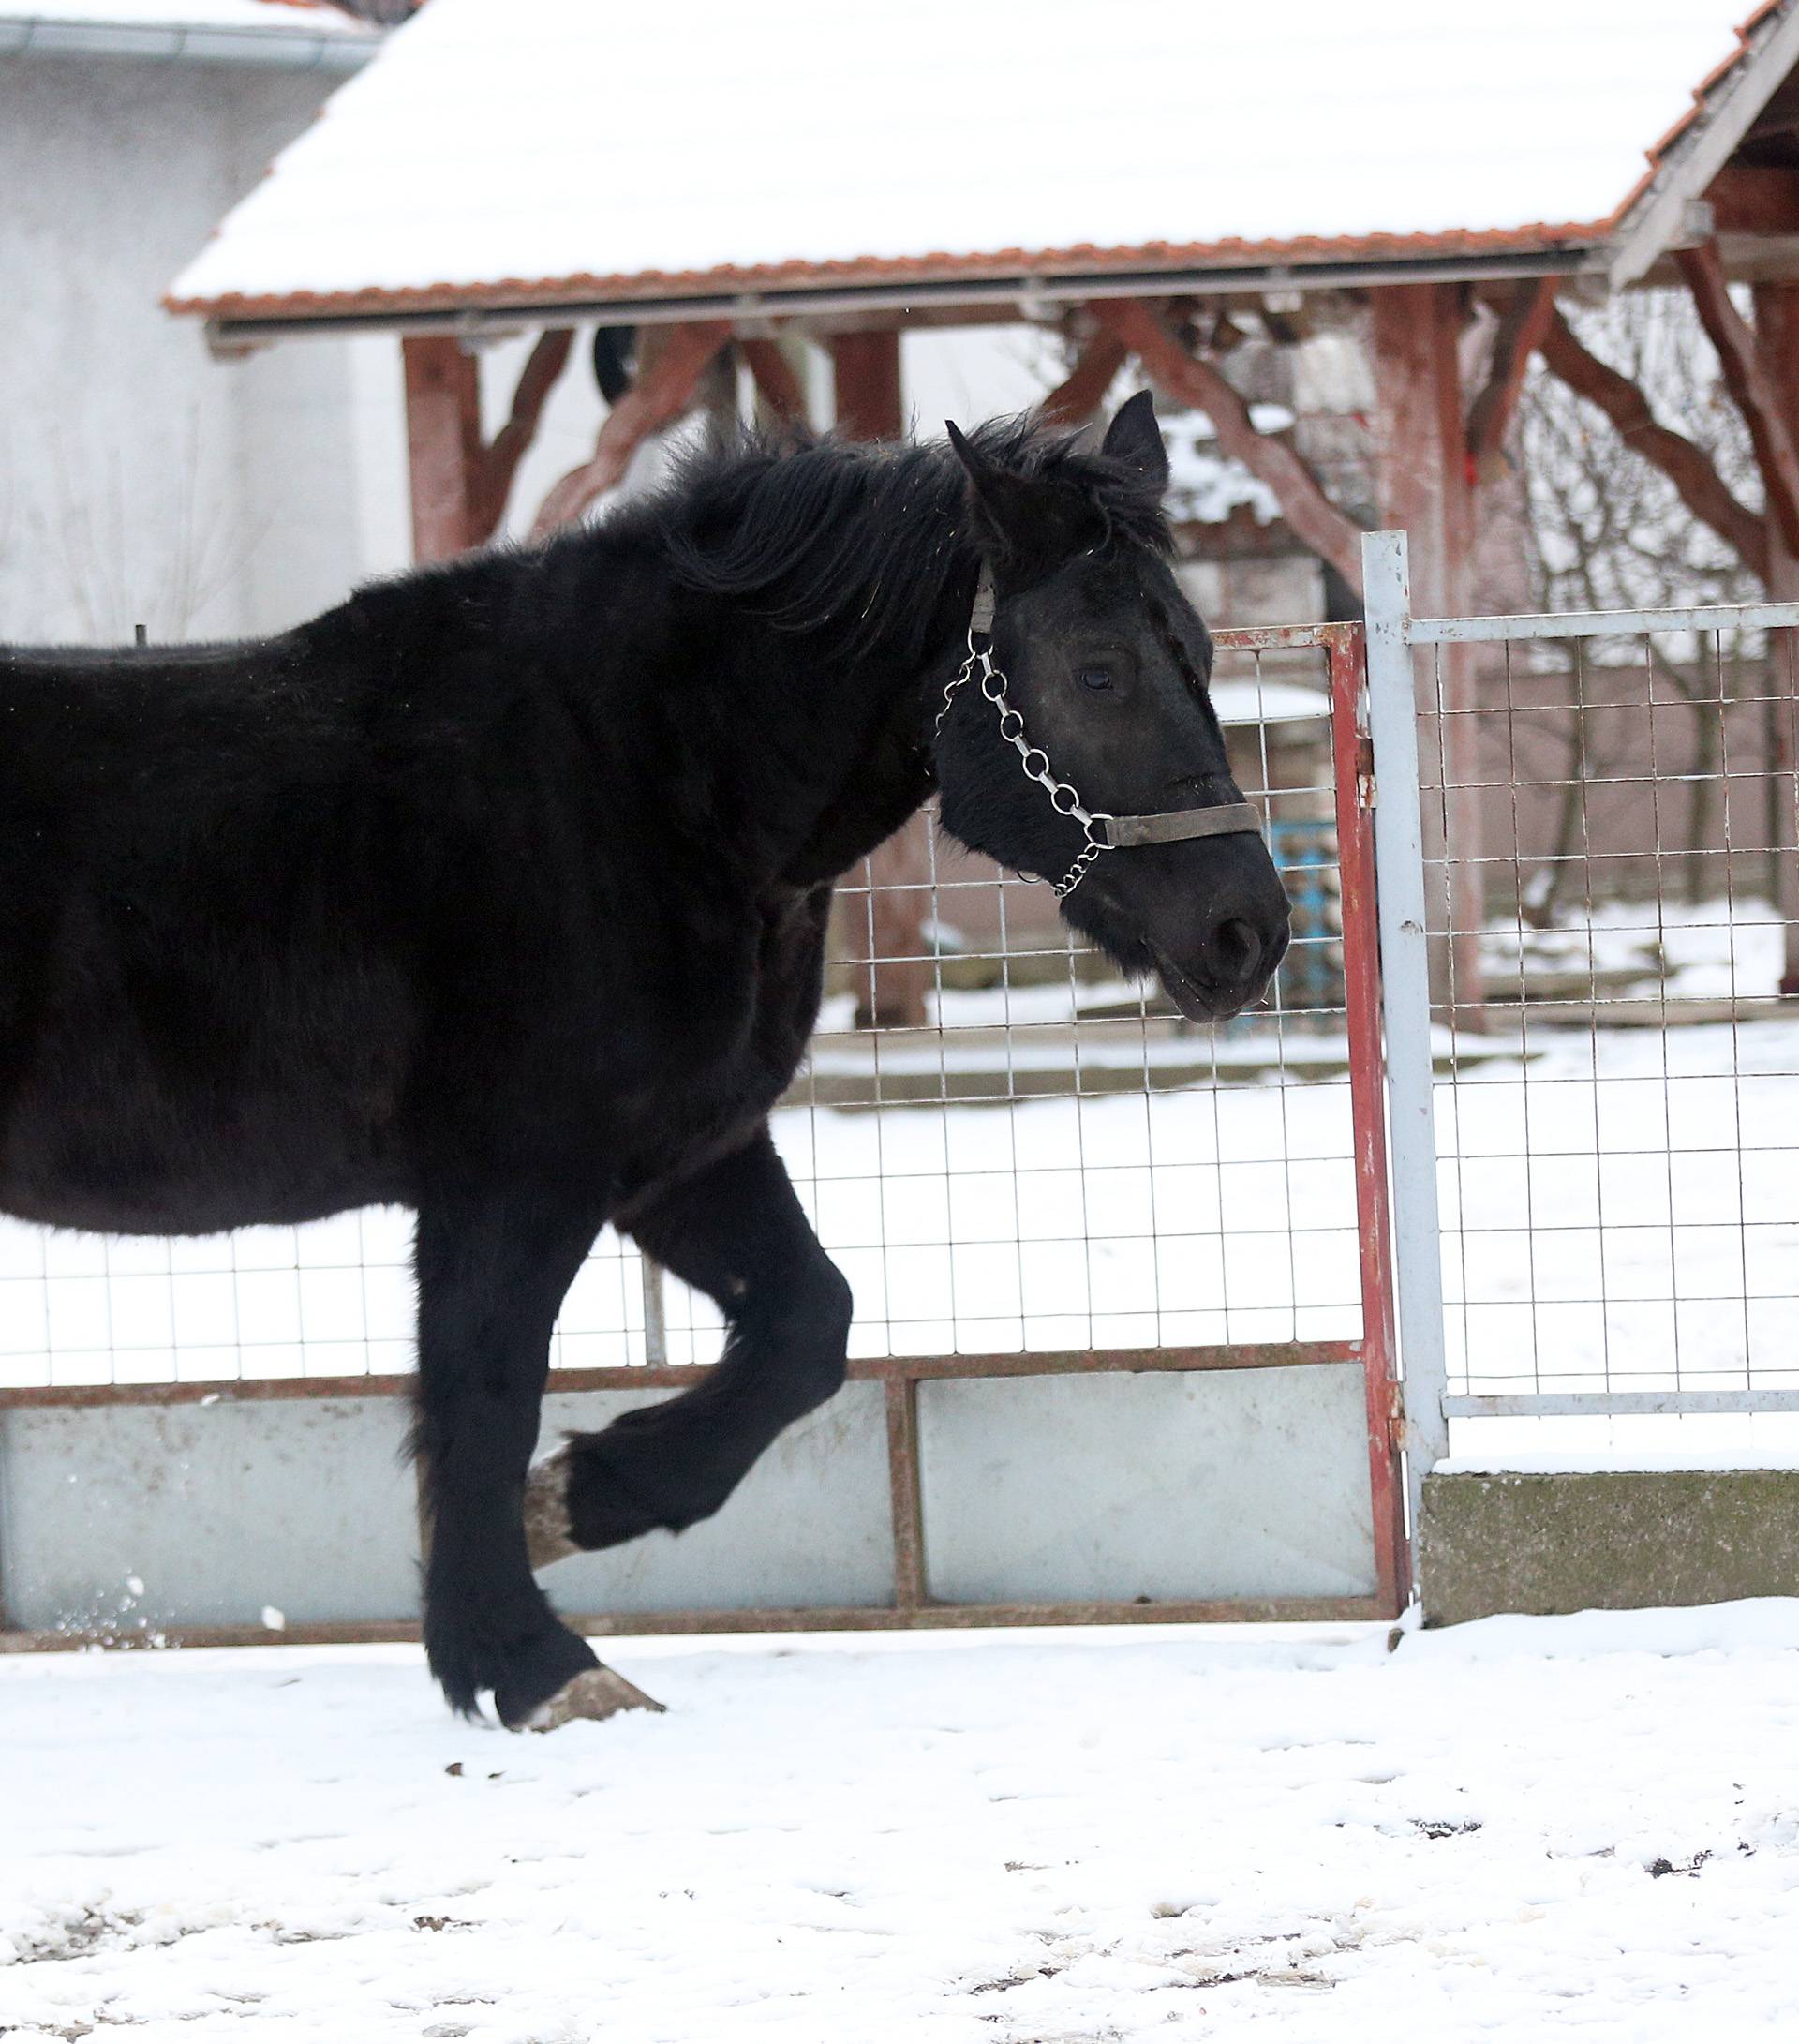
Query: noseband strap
(1105, 832)
(1217, 820)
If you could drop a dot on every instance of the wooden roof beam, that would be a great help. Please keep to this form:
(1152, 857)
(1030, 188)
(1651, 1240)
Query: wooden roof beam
(1746, 377)
(1313, 518)
(670, 363)
(1687, 467)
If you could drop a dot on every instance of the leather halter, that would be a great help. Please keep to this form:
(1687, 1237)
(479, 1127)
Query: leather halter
(1105, 832)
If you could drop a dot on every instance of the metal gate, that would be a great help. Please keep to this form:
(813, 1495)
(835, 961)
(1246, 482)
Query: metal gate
(1124, 1342)
(1596, 1200)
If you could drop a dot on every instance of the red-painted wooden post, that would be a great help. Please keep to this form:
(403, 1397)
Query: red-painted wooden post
(1776, 328)
(444, 444)
(1423, 486)
(1352, 756)
(889, 927)
(867, 369)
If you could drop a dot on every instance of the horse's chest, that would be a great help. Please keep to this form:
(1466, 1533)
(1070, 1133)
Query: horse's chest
(790, 980)
(725, 1073)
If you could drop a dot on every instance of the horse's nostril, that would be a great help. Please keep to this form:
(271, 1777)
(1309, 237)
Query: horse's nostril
(1238, 948)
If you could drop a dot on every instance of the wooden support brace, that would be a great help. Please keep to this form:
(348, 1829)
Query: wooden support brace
(776, 383)
(1079, 396)
(1311, 514)
(1523, 324)
(500, 458)
(1747, 378)
(1687, 467)
(671, 362)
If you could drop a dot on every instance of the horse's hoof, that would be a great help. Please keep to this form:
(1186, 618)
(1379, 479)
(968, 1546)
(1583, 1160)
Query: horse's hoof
(548, 1535)
(595, 1692)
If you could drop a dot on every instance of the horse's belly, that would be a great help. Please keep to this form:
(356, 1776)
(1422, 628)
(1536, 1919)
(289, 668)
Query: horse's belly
(114, 1169)
(209, 1126)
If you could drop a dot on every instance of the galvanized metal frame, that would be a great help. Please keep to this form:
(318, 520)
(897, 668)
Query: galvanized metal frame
(1393, 633)
(1406, 1003)
(912, 1606)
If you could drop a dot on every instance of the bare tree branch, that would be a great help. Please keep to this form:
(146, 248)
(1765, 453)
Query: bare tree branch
(1685, 465)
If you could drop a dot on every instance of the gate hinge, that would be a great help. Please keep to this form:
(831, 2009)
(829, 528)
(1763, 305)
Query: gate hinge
(1367, 792)
(1395, 1416)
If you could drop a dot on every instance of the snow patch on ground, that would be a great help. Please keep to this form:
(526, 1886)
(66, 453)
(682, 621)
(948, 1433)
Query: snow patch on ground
(1521, 1829)
(1683, 1451)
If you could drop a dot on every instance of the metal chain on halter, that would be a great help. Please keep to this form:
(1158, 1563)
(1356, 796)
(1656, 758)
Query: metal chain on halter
(1064, 799)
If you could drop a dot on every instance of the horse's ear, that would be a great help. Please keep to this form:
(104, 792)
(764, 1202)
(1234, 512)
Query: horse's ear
(1005, 504)
(1135, 440)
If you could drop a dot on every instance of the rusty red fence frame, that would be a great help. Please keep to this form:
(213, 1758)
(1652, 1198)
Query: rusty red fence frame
(1344, 647)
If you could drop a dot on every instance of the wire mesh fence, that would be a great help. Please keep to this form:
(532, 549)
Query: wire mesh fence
(1610, 881)
(1005, 1145)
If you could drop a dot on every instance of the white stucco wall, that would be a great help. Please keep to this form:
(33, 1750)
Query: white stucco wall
(139, 479)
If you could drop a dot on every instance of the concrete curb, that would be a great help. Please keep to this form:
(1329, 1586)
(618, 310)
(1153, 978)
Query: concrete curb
(1606, 1540)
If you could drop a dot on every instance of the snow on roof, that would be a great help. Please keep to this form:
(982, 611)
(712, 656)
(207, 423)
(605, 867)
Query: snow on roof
(502, 151)
(313, 17)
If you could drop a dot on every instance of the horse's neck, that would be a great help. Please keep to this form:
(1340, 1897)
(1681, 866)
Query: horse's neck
(854, 761)
(883, 781)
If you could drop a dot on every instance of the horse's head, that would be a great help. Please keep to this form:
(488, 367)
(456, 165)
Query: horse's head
(1099, 671)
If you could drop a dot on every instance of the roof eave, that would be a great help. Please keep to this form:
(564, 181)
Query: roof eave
(235, 324)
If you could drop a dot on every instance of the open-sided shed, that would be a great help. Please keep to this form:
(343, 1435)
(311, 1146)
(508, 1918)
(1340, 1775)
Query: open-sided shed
(719, 177)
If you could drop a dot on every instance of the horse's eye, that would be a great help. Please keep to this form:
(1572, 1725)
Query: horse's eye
(1095, 677)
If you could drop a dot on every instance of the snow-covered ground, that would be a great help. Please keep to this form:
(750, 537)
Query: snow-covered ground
(1584, 1828)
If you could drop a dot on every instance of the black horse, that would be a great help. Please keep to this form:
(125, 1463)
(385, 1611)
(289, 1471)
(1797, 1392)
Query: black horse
(499, 892)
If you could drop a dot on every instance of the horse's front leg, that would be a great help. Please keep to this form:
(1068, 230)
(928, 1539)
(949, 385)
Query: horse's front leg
(735, 1232)
(492, 1270)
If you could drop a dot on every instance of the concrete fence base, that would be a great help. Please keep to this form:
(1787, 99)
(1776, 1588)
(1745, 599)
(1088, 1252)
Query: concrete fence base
(1611, 1540)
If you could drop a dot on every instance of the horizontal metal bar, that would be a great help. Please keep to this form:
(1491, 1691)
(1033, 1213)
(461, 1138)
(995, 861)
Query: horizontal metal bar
(1593, 624)
(930, 1618)
(229, 334)
(1245, 1355)
(1602, 1403)
(1265, 638)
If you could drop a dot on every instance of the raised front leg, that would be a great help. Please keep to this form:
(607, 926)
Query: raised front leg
(736, 1232)
(492, 1270)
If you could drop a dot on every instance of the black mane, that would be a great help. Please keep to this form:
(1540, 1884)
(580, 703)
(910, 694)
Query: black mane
(865, 544)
